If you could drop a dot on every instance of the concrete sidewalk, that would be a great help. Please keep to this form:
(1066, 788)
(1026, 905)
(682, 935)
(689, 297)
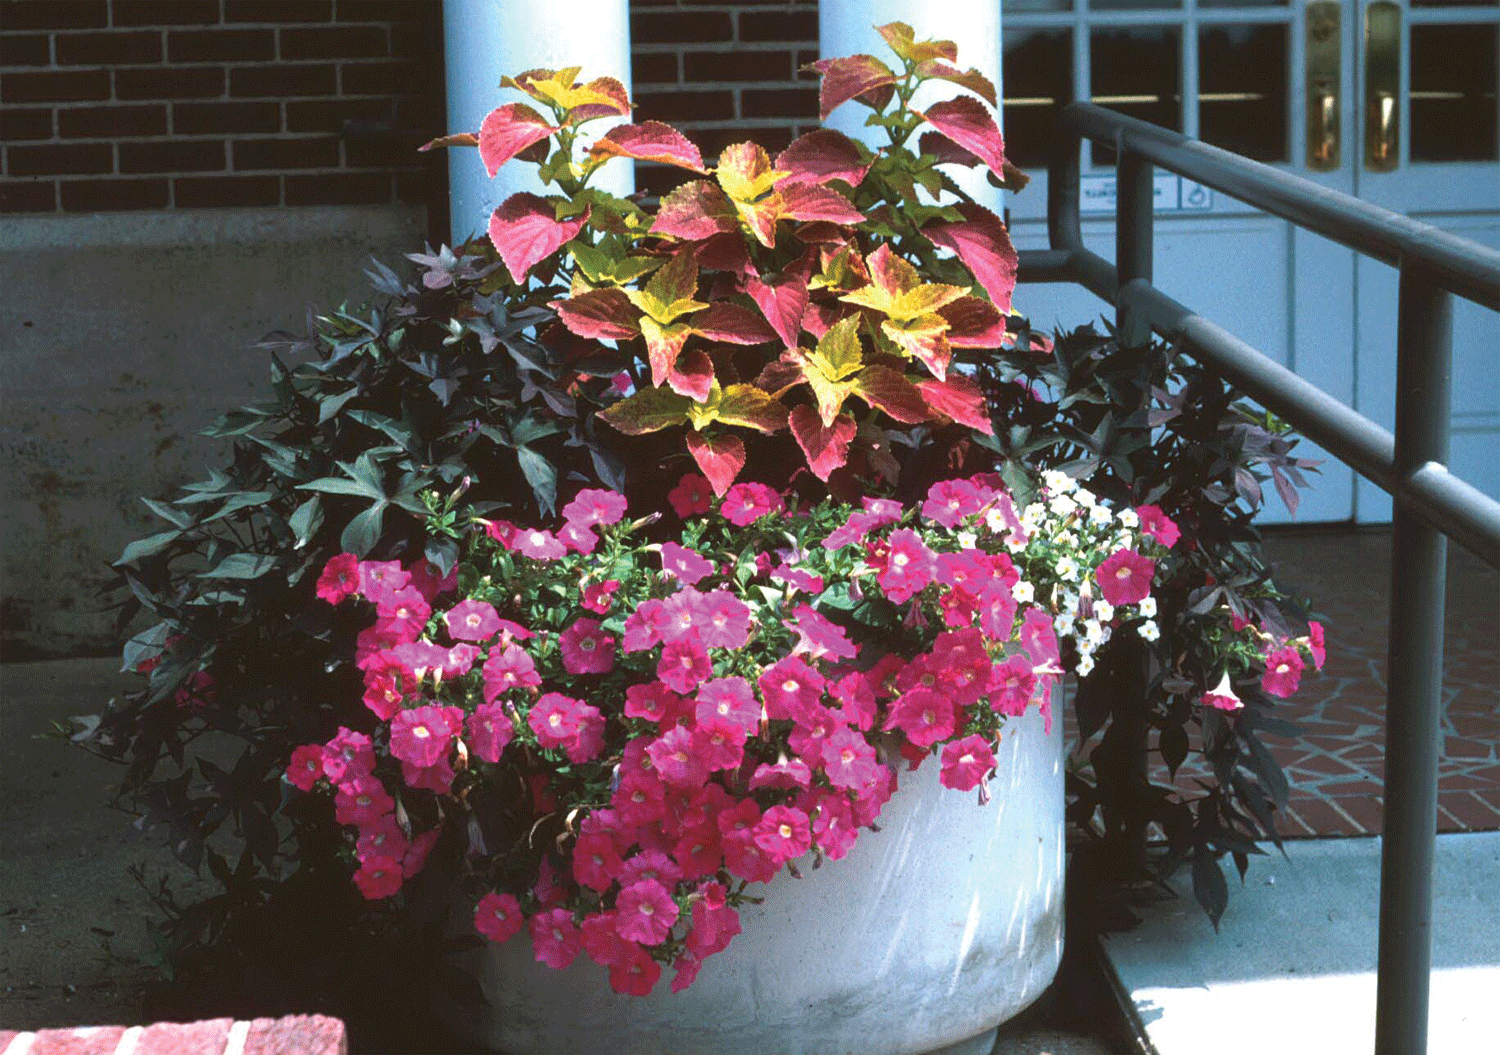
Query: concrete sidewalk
(1293, 967)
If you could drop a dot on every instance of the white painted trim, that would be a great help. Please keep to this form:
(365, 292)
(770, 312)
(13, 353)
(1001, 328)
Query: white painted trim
(176, 228)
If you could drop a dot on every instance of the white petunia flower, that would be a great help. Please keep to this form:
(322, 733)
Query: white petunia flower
(967, 539)
(1085, 664)
(1023, 592)
(1104, 611)
(1100, 515)
(1069, 602)
(1149, 630)
(1063, 625)
(1033, 515)
(1067, 569)
(1093, 633)
(1067, 539)
(1058, 483)
(1147, 606)
(1129, 519)
(1062, 505)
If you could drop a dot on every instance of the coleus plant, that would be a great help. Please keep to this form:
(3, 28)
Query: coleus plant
(833, 294)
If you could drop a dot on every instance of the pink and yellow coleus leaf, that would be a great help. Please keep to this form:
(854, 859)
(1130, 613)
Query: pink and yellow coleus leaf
(965, 120)
(670, 293)
(730, 323)
(781, 374)
(750, 407)
(508, 131)
(663, 345)
(597, 98)
(830, 367)
(823, 155)
(890, 391)
(600, 97)
(746, 173)
(458, 139)
(760, 218)
(694, 211)
(692, 375)
(958, 398)
(924, 338)
(825, 445)
(600, 314)
(896, 291)
(970, 78)
(974, 323)
(862, 77)
(902, 40)
(648, 410)
(525, 230)
(719, 458)
(650, 141)
(783, 301)
(810, 202)
(981, 241)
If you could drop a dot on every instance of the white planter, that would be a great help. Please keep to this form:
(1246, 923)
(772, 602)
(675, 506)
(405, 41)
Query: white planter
(929, 934)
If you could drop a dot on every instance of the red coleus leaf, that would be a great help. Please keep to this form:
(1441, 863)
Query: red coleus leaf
(808, 201)
(600, 97)
(819, 318)
(663, 345)
(692, 375)
(732, 324)
(783, 301)
(958, 398)
(649, 141)
(970, 78)
(724, 252)
(902, 40)
(888, 390)
(862, 77)
(602, 314)
(509, 130)
(784, 373)
(525, 229)
(761, 217)
(983, 244)
(966, 121)
(694, 211)
(945, 150)
(458, 139)
(924, 338)
(973, 323)
(719, 458)
(823, 155)
(826, 448)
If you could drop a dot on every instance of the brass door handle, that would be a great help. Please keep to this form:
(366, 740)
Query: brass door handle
(1323, 129)
(1383, 127)
(1382, 86)
(1323, 83)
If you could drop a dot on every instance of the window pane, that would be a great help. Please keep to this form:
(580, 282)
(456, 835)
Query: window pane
(1038, 83)
(1242, 90)
(1132, 5)
(1022, 7)
(1453, 88)
(1240, 3)
(1134, 70)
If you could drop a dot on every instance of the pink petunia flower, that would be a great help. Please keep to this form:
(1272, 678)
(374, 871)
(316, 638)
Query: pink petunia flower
(306, 766)
(965, 763)
(798, 578)
(833, 827)
(361, 800)
(347, 755)
(416, 854)
(818, 637)
(1316, 644)
(421, 736)
(384, 838)
(600, 942)
(715, 923)
(650, 864)
(436, 778)
(644, 626)
(849, 759)
(790, 688)
(783, 833)
(1283, 671)
(699, 851)
(508, 668)
(378, 878)
(785, 773)
(924, 716)
(949, 502)
(599, 596)
(1012, 685)
(1125, 577)
(746, 503)
(639, 799)
(577, 538)
(652, 701)
(1222, 696)
(403, 612)
(686, 967)
(692, 496)
(684, 664)
(340, 578)
(427, 580)
(997, 610)
(726, 699)
(490, 729)
(680, 613)
(856, 699)
(555, 941)
(472, 620)
(377, 578)
(555, 719)
(595, 506)
(722, 619)
(538, 544)
(814, 727)
(634, 973)
(909, 566)
(498, 916)
(587, 649)
(720, 742)
(1158, 525)
(596, 861)
(645, 912)
(687, 565)
(742, 857)
(676, 758)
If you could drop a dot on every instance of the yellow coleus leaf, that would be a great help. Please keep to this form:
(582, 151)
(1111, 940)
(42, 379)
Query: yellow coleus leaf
(838, 354)
(739, 404)
(662, 311)
(896, 290)
(745, 172)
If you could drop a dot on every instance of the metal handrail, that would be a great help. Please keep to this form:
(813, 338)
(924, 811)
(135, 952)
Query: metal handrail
(1431, 504)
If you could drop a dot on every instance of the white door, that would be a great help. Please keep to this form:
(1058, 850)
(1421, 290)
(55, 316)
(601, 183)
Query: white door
(1281, 83)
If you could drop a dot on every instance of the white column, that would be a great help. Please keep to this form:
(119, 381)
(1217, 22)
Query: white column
(485, 40)
(846, 27)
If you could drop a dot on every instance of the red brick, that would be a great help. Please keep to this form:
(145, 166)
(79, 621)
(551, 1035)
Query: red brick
(224, 118)
(331, 115)
(283, 81)
(166, 12)
(658, 179)
(339, 188)
(799, 26)
(278, 12)
(192, 1038)
(177, 82)
(32, 123)
(381, 11)
(207, 192)
(681, 27)
(25, 49)
(297, 1035)
(112, 121)
(60, 159)
(1471, 813)
(421, 111)
(54, 14)
(417, 188)
(653, 67)
(707, 66)
(785, 102)
(221, 45)
(172, 155)
(108, 49)
(114, 194)
(800, 63)
(55, 87)
(336, 42)
(422, 42)
(1320, 816)
(85, 1040)
(381, 78)
(712, 141)
(684, 106)
(392, 150)
(1365, 812)
(20, 195)
(252, 155)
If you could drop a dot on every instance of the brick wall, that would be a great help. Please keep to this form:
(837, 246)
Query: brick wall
(160, 104)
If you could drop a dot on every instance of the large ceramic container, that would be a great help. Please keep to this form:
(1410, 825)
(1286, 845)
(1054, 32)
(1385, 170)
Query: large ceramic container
(930, 933)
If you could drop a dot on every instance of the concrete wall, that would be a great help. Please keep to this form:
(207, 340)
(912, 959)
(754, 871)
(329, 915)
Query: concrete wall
(120, 337)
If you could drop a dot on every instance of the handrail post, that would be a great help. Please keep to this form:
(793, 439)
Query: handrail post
(1415, 661)
(1133, 243)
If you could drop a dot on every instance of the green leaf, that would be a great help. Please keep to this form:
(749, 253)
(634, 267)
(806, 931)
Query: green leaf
(335, 485)
(242, 566)
(173, 516)
(148, 546)
(306, 520)
(329, 406)
(242, 500)
(541, 475)
(363, 531)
